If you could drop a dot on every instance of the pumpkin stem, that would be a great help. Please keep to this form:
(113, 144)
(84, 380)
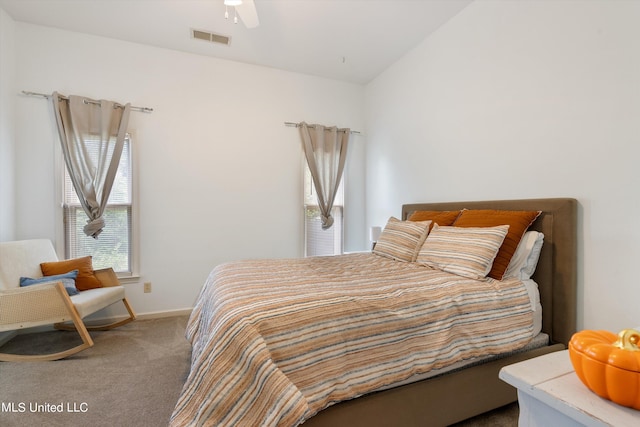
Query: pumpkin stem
(628, 339)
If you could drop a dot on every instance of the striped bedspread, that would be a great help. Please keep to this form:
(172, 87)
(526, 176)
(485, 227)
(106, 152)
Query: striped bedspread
(275, 341)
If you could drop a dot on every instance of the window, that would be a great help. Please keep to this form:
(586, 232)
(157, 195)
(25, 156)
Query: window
(114, 246)
(317, 240)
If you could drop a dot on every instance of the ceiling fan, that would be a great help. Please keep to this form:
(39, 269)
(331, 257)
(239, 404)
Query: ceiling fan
(246, 9)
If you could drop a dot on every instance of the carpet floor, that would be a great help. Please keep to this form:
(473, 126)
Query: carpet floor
(132, 376)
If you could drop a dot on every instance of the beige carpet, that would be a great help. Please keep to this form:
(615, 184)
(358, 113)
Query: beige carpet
(132, 376)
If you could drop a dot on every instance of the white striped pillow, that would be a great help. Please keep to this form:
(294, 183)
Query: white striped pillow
(465, 251)
(401, 240)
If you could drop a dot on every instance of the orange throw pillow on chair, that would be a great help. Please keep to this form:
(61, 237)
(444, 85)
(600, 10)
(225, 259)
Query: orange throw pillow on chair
(86, 279)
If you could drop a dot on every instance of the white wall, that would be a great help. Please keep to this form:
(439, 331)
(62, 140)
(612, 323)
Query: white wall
(520, 100)
(7, 95)
(220, 176)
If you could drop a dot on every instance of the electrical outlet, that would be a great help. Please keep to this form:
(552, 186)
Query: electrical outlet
(147, 287)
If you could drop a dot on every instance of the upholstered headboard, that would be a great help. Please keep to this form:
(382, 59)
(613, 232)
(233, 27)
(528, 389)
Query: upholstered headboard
(556, 273)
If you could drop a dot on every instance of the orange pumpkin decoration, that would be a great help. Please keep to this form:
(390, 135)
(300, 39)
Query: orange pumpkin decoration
(609, 365)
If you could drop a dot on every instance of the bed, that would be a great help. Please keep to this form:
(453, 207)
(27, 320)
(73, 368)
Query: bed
(277, 381)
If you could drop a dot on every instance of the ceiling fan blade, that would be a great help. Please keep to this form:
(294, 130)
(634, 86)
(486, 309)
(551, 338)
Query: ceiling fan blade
(248, 13)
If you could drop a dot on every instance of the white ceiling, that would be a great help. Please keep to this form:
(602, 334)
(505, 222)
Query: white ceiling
(351, 40)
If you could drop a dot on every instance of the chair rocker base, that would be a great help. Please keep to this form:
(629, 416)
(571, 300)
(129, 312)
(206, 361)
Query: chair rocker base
(7, 357)
(77, 325)
(72, 327)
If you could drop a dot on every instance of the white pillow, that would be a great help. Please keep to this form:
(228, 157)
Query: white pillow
(525, 259)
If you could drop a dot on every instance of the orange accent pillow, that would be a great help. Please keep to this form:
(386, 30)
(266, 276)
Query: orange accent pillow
(518, 222)
(85, 279)
(442, 218)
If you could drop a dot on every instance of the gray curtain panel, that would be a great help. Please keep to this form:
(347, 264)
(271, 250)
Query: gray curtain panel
(92, 134)
(325, 149)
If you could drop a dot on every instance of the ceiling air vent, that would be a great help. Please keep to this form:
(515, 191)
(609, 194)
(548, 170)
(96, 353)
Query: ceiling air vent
(210, 37)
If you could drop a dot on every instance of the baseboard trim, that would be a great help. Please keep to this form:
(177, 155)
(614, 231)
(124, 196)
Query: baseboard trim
(161, 314)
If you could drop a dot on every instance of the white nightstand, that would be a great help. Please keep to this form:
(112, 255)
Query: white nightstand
(550, 394)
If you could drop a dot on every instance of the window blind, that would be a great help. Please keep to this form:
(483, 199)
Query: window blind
(112, 248)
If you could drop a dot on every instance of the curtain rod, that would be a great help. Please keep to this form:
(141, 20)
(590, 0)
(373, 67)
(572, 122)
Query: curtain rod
(44, 95)
(296, 125)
